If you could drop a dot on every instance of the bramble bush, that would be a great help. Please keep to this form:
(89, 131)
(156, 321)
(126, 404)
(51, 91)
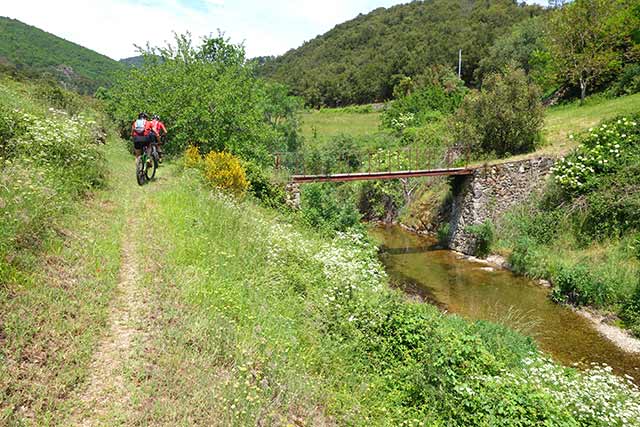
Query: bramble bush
(329, 208)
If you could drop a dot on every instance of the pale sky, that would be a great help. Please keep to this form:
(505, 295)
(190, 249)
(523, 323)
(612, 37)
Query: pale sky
(112, 27)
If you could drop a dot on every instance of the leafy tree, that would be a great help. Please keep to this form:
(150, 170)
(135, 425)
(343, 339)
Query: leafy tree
(365, 59)
(526, 46)
(436, 92)
(587, 39)
(554, 4)
(504, 118)
(281, 112)
(208, 96)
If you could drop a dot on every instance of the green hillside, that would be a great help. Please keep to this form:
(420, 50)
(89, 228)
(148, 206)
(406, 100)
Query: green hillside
(134, 61)
(31, 51)
(361, 60)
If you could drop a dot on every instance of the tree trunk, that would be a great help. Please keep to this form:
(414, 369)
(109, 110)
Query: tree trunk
(583, 90)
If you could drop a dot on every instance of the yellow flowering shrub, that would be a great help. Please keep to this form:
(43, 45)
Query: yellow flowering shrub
(192, 158)
(223, 170)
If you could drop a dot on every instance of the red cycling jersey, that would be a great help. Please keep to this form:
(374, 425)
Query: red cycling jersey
(157, 126)
(148, 127)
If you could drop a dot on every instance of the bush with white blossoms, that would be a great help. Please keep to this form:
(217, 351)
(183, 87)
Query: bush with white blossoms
(602, 150)
(595, 397)
(403, 121)
(46, 159)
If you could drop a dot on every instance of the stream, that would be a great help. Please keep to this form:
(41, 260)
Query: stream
(463, 287)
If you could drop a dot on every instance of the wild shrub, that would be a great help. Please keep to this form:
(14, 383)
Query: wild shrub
(52, 94)
(192, 157)
(603, 150)
(440, 95)
(329, 208)
(444, 233)
(628, 82)
(579, 285)
(269, 194)
(484, 235)
(223, 170)
(630, 312)
(504, 117)
(520, 257)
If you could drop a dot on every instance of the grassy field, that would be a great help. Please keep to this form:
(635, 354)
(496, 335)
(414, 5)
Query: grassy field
(564, 120)
(561, 121)
(318, 127)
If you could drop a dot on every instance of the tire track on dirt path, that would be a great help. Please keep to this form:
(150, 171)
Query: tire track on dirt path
(106, 395)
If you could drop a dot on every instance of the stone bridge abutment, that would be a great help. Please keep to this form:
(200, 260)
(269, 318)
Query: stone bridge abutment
(488, 193)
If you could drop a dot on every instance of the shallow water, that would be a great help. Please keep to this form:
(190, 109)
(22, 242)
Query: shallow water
(460, 286)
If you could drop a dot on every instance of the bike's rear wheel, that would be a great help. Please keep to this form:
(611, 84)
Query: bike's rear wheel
(140, 174)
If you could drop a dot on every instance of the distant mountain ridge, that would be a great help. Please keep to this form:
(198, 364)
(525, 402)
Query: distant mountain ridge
(29, 50)
(361, 60)
(134, 61)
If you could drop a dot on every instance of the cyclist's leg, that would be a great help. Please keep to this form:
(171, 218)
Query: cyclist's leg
(147, 149)
(137, 148)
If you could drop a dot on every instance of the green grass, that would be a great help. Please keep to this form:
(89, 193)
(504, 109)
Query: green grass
(262, 321)
(54, 301)
(564, 120)
(561, 121)
(319, 127)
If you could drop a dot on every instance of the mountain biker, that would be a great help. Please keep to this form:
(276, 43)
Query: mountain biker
(157, 131)
(140, 131)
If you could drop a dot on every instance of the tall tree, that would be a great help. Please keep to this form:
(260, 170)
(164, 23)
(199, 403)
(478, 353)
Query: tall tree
(585, 37)
(554, 4)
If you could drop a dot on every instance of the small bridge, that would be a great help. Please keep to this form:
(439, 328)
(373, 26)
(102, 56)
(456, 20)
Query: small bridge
(363, 176)
(342, 166)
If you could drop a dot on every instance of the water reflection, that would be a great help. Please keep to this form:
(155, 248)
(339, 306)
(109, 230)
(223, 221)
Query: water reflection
(438, 276)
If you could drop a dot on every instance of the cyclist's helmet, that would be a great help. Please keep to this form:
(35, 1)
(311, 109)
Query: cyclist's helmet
(156, 117)
(143, 115)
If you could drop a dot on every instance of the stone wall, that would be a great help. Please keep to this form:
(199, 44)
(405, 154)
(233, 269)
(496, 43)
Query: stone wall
(292, 195)
(489, 192)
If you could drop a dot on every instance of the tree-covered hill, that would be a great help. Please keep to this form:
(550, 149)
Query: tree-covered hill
(31, 51)
(134, 61)
(361, 60)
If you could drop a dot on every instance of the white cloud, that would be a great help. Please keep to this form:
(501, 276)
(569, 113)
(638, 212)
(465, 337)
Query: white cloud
(112, 27)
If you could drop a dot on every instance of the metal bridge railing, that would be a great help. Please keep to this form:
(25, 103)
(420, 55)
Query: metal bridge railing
(317, 162)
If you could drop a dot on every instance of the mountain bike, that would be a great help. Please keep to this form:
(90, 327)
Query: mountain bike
(147, 164)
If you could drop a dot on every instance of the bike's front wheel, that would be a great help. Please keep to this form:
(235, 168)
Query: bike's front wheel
(140, 173)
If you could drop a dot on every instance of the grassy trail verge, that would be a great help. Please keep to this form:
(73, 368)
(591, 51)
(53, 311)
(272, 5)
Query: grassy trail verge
(54, 307)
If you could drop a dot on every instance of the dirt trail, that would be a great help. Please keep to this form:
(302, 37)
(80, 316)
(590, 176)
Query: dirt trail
(106, 393)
